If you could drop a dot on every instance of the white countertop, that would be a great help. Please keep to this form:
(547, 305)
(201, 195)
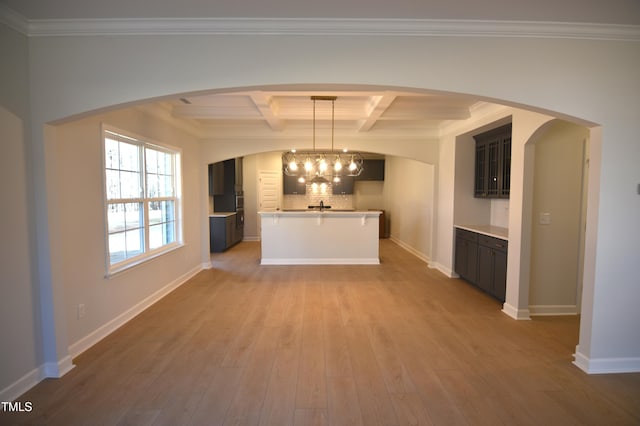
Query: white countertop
(492, 231)
(222, 214)
(330, 212)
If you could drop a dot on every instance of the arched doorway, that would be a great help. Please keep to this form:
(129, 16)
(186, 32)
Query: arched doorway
(558, 218)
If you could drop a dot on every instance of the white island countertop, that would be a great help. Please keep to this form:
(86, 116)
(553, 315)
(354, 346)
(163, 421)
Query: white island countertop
(314, 237)
(297, 212)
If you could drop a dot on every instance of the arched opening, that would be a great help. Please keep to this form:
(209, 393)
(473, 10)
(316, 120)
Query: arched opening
(431, 156)
(559, 191)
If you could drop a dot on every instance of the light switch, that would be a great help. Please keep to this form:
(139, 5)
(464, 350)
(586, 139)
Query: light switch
(545, 218)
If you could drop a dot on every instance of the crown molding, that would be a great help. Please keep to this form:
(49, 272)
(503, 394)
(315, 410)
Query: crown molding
(325, 27)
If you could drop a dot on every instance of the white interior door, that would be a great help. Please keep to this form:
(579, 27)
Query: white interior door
(269, 183)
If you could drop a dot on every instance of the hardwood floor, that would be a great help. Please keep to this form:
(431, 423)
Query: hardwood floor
(391, 344)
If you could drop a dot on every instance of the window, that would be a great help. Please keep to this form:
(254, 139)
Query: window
(142, 188)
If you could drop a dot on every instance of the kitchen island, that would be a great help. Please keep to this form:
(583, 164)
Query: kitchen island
(312, 237)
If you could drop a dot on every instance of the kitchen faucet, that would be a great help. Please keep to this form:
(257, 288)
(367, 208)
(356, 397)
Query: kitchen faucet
(321, 206)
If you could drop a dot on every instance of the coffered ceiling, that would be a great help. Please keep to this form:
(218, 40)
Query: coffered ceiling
(356, 111)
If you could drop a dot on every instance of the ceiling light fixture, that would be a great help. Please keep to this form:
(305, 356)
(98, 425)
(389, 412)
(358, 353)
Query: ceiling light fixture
(322, 167)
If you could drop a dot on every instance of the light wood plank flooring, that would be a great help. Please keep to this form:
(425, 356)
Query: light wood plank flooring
(394, 344)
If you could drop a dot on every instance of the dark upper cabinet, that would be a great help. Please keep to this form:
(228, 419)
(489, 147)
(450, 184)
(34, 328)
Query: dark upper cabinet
(225, 177)
(224, 183)
(238, 175)
(372, 170)
(345, 186)
(229, 176)
(216, 178)
(291, 186)
(493, 163)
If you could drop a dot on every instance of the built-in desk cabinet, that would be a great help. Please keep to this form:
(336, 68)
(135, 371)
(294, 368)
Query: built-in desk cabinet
(466, 264)
(482, 261)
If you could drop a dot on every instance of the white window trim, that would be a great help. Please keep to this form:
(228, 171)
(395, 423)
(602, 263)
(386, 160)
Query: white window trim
(148, 255)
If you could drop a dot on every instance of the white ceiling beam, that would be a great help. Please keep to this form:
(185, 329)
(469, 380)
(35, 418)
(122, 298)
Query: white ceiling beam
(269, 110)
(433, 112)
(374, 110)
(214, 112)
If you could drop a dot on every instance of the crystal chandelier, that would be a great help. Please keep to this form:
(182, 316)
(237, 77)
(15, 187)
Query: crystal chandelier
(322, 167)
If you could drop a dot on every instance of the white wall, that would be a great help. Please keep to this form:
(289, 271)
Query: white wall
(78, 228)
(252, 166)
(20, 334)
(409, 204)
(19, 313)
(368, 194)
(468, 210)
(555, 247)
(607, 92)
(250, 189)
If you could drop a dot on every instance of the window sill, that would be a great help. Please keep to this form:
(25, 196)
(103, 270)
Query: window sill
(129, 264)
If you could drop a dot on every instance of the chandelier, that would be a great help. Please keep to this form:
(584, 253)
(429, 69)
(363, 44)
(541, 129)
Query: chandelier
(322, 167)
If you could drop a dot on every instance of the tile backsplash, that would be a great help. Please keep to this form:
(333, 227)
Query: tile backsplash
(313, 197)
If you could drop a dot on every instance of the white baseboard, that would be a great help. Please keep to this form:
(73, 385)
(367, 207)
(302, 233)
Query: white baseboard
(55, 370)
(21, 385)
(100, 333)
(606, 365)
(449, 273)
(410, 249)
(35, 376)
(515, 313)
(551, 310)
(251, 238)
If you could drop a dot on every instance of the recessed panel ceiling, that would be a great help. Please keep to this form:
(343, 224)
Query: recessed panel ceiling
(358, 110)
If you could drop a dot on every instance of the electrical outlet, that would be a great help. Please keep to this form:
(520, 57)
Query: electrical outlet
(81, 311)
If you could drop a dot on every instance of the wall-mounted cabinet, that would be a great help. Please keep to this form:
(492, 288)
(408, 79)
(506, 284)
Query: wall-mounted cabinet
(216, 178)
(493, 163)
(482, 261)
(225, 182)
(291, 186)
(344, 187)
(238, 174)
(372, 170)
(225, 177)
